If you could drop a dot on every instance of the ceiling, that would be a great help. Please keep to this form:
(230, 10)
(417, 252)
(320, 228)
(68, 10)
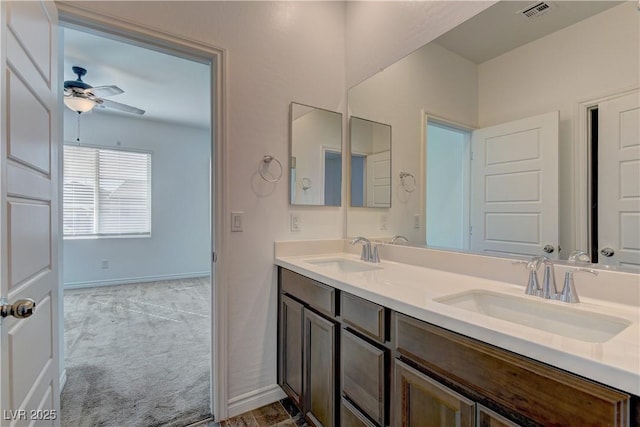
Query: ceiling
(502, 27)
(168, 88)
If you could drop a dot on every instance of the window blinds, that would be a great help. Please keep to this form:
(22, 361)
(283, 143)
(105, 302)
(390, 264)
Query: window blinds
(106, 192)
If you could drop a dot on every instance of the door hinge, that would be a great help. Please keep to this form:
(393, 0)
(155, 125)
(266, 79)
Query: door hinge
(471, 155)
(214, 257)
(470, 230)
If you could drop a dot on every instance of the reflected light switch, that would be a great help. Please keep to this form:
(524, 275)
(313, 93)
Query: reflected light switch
(236, 221)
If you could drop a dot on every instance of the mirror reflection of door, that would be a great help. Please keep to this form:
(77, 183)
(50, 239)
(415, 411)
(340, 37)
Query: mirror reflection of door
(447, 174)
(616, 220)
(358, 179)
(332, 177)
(514, 187)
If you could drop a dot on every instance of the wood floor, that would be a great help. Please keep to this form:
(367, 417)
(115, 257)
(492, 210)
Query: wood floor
(279, 414)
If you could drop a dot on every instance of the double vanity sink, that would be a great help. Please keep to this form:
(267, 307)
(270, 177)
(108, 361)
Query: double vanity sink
(596, 339)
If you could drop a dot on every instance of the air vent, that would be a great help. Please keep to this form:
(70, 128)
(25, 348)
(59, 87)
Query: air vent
(536, 9)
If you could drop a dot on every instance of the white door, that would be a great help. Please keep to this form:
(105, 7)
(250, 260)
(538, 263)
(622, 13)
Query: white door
(379, 179)
(29, 143)
(619, 181)
(514, 187)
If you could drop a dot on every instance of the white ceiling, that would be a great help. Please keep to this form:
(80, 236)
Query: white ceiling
(167, 87)
(500, 28)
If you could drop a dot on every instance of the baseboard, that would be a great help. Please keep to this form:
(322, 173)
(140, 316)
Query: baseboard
(255, 399)
(63, 379)
(126, 281)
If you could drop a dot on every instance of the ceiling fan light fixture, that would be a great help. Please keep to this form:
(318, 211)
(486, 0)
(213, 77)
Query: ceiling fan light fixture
(79, 105)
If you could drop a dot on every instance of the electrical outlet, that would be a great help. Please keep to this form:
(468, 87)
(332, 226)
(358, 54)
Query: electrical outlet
(104, 263)
(384, 222)
(295, 222)
(236, 221)
(416, 221)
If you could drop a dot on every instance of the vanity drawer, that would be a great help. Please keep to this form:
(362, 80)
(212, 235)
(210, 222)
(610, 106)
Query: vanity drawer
(544, 394)
(364, 316)
(315, 294)
(351, 417)
(364, 375)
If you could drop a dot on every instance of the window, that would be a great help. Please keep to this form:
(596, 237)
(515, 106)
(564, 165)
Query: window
(106, 192)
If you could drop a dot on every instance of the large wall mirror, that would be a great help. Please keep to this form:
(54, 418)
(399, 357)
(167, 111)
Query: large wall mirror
(522, 129)
(370, 144)
(316, 156)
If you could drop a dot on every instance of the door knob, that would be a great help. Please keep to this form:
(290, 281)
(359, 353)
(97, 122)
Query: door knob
(20, 309)
(548, 249)
(608, 252)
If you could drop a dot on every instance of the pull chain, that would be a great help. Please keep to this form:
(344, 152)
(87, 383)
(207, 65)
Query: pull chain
(78, 131)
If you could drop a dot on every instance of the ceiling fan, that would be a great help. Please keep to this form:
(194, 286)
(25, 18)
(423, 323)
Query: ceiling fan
(82, 97)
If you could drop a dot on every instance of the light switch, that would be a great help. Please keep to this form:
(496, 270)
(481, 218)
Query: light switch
(236, 221)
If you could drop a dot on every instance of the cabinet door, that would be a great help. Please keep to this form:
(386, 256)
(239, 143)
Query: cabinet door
(488, 418)
(291, 347)
(420, 401)
(319, 369)
(351, 417)
(363, 375)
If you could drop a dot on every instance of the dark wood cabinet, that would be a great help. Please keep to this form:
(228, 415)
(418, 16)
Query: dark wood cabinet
(349, 362)
(319, 361)
(421, 401)
(290, 345)
(364, 375)
(308, 342)
(351, 417)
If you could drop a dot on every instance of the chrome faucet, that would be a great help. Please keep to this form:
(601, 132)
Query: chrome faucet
(368, 253)
(548, 290)
(397, 238)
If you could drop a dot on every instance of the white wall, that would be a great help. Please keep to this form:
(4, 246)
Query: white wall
(595, 57)
(280, 52)
(379, 33)
(179, 245)
(277, 52)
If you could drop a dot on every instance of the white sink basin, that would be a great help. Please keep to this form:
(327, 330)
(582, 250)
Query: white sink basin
(555, 318)
(343, 265)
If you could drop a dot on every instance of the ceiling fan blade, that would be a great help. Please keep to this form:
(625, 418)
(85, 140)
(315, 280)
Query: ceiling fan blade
(118, 106)
(102, 91)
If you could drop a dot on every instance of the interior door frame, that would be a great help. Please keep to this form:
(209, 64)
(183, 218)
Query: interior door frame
(581, 171)
(426, 117)
(73, 16)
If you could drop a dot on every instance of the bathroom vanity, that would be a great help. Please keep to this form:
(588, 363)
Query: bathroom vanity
(359, 349)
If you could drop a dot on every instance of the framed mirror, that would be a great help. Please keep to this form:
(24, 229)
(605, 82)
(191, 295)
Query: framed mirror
(505, 67)
(315, 167)
(370, 144)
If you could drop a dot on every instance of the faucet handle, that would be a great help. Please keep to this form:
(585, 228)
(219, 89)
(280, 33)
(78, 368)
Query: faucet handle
(549, 289)
(375, 254)
(569, 293)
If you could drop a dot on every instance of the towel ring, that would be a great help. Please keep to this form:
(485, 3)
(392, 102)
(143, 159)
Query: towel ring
(264, 168)
(408, 182)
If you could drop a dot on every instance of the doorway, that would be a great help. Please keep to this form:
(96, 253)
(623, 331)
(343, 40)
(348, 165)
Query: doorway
(137, 300)
(447, 183)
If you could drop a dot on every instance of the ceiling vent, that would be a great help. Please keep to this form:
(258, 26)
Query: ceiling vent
(536, 9)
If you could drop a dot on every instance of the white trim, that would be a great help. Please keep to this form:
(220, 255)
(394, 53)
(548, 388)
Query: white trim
(132, 32)
(63, 379)
(255, 399)
(581, 171)
(130, 280)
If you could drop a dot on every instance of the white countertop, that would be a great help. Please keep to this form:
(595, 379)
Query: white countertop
(411, 290)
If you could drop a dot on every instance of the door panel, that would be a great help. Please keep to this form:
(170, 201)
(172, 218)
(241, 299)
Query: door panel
(29, 223)
(619, 180)
(291, 350)
(514, 182)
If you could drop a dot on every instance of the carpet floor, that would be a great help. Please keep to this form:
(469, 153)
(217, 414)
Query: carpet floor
(137, 355)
